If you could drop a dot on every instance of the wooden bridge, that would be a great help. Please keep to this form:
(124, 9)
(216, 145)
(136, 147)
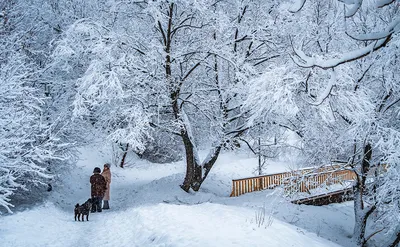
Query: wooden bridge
(294, 181)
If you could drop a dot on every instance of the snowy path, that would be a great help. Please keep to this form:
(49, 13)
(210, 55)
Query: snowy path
(147, 209)
(158, 225)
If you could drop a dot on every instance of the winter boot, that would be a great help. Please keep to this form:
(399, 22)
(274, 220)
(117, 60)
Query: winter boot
(94, 203)
(105, 205)
(99, 206)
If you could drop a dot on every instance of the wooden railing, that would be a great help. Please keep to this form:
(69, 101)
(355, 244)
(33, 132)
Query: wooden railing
(301, 180)
(312, 181)
(246, 185)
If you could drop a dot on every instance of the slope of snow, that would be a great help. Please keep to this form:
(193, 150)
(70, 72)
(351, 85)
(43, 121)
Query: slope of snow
(149, 209)
(160, 224)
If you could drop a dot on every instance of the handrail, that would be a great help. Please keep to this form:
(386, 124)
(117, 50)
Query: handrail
(319, 176)
(303, 170)
(311, 181)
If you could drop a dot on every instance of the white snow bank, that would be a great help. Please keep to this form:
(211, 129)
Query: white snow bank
(160, 224)
(148, 208)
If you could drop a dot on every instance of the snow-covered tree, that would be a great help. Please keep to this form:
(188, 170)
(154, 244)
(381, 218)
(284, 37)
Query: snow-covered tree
(180, 67)
(376, 33)
(34, 147)
(27, 146)
(226, 47)
(342, 108)
(359, 97)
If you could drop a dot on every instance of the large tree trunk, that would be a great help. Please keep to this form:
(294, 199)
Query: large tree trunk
(190, 162)
(361, 212)
(194, 177)
(208, 163)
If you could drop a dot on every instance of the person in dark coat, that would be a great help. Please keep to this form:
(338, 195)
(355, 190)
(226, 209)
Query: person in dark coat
(98, 187)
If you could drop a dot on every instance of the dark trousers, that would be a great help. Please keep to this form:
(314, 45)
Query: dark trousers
(106, 205)
(97, 201)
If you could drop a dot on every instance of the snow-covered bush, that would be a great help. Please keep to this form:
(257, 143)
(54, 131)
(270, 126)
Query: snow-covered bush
(28, 143)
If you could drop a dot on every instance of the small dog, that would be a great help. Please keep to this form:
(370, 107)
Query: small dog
(83, 210)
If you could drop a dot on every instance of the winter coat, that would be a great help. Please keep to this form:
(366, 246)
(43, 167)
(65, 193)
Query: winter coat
(99, 185)
(107, 176)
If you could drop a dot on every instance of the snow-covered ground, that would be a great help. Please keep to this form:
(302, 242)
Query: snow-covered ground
(149, 209)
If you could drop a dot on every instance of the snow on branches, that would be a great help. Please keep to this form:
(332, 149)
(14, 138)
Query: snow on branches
(384, 34)
(28, 144)
(110, 87)
(363, 101)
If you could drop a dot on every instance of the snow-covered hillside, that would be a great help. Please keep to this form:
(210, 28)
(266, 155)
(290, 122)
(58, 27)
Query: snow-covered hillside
(149, 209)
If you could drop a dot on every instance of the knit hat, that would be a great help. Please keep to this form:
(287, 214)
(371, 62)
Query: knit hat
(96, 170)
(107, 165)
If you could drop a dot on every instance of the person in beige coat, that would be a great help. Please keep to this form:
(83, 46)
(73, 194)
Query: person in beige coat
(107, 176)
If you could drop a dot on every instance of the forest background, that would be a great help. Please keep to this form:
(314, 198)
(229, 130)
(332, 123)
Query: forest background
(166, 79)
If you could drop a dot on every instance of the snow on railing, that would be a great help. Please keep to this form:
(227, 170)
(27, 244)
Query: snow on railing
(308, 182)
(299, 180)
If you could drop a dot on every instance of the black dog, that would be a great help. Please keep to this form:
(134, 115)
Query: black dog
(83, 210)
